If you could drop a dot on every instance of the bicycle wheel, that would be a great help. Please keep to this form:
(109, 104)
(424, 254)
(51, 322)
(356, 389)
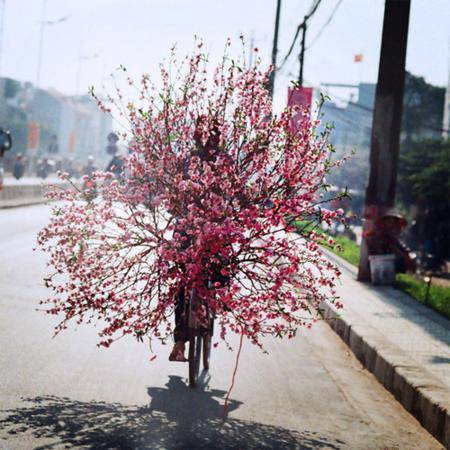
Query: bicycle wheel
(195, 349)
(207, 341)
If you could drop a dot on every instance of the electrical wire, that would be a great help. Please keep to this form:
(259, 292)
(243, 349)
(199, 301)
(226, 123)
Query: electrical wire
(336, 7)
(371, 110)
(312, 10)
(368, 109)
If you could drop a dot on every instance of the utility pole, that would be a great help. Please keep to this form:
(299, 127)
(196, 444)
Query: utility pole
(385, 140)
(44, 23)
(301, 57)
(274, 50)
(2, 29)
(303, 26)
(41, 42)
(81, 59)
(446, 118)
(78, 76)
(250, 52)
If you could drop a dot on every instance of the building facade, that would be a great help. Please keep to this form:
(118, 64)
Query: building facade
(70, 127)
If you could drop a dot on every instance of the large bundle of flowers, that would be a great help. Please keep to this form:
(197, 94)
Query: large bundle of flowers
(212, 190)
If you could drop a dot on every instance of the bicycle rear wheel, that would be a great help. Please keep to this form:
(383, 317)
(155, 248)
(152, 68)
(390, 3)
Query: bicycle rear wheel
(207, 341)
(206, 350)
(195, 349)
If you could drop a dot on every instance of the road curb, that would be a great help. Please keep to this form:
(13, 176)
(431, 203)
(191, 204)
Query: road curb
(420, 392)
(17, 195)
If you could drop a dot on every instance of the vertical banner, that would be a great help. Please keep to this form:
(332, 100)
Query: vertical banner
(72, 143)
(302, 97)
(34, 134)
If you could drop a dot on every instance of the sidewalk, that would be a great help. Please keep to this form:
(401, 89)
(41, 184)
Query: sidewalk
(403, 343)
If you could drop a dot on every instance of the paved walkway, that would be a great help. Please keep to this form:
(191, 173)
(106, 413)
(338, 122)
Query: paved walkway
(420, 332)
(412, 340)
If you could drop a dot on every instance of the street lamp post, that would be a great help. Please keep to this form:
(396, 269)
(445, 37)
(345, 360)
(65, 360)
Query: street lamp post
(41, 41)
(82, 58)
(44, 23)
(2, 24)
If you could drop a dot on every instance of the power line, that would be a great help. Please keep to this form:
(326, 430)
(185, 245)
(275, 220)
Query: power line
(365, 108)
(291, 47)
(336, 7)
(300, 27)
(313, 9)
(368, 109)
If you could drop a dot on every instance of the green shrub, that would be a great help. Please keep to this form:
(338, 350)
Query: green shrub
(438, 297)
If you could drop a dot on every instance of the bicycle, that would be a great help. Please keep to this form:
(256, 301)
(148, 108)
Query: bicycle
(200, 332)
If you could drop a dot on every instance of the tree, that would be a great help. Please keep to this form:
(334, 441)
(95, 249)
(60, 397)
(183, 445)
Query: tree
(15, 116)
(12, 88)
(424, 164)
(424, 181)
(423, 106)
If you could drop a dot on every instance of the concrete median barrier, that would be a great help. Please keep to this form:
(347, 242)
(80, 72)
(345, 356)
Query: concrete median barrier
(25, 192)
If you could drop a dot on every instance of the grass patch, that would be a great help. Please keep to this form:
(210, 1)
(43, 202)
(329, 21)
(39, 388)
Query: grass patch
(438, 297)
(350, 249)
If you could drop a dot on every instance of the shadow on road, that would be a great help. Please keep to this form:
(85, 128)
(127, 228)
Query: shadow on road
(177, 418)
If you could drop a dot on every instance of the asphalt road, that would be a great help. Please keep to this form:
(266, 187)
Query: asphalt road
(65, 392)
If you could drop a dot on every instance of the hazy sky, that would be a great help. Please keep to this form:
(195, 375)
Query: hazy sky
(138, 34)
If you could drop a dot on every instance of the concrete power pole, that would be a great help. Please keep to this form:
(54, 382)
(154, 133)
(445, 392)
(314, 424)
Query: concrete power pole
(385, 140)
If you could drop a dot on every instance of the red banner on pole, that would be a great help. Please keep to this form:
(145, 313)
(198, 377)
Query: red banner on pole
(302, 97)
(72, 142)
(34, 133)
